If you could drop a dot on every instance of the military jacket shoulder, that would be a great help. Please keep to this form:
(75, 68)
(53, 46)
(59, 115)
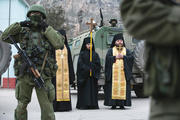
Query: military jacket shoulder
(13, 30)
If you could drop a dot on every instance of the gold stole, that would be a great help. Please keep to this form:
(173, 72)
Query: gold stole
(118, 76)
(62, 75)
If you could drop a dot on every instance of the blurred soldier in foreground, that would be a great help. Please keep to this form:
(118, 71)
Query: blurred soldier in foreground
(38, 41)
(158, 22)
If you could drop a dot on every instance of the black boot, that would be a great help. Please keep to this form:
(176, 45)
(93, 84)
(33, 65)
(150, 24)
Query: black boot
(122, 107)
(113, 107)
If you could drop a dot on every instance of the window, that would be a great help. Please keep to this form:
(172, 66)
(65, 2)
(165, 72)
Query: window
(0, 32)
(75, 62)
(134, 40)
(70, 46)
(110, 38)
(77, 43)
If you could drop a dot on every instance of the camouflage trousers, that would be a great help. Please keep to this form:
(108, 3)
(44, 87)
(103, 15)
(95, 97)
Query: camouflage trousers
(166, 109)
(45, 98)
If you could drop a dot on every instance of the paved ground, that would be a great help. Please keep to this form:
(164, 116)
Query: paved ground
(138, 111)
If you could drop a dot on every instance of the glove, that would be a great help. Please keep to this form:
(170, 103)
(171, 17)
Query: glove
(43, 25)
(25, 23)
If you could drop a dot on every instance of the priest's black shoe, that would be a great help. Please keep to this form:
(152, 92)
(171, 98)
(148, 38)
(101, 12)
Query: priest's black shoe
(113, 107)
(122, 107)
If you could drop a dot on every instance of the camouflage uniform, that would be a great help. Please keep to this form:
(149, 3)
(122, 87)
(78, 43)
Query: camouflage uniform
(158, 22)
(37, 43)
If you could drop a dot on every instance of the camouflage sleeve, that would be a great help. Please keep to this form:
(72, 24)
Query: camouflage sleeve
(12, 30)
(152, 20)
(56, 39)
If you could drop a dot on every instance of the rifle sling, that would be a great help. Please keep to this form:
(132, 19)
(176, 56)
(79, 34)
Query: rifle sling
(44, 62)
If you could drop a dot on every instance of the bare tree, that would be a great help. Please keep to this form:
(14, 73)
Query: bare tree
(55, 16)
(55, 13)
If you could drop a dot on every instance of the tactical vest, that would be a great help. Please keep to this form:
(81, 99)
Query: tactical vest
(36, 45)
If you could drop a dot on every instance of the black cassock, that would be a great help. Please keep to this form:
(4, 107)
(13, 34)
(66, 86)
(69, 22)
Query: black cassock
(87, 86)
(128, 62)
(65, 105)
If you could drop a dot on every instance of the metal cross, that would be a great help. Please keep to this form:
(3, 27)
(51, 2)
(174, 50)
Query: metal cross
(91, 24)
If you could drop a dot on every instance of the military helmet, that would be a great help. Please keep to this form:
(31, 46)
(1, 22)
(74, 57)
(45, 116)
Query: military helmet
(113, 20)
(37, 8)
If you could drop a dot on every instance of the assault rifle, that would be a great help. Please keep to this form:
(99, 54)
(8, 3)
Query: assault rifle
(37, 77)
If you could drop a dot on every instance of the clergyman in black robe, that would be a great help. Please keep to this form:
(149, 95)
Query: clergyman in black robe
(117, 87)
(66, 104)
(87, 86)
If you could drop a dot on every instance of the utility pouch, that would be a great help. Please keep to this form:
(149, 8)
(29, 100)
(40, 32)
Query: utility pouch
(56, 39)
(16, 67)
(22, 69)
(51, 68)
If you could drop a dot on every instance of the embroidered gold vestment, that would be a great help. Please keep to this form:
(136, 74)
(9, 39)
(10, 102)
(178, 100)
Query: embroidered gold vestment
(118, 76)
(62, 75)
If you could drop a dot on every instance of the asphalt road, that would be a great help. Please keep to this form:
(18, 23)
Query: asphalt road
(138, 111)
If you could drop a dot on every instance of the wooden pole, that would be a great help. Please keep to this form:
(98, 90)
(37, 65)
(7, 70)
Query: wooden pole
(91, 24)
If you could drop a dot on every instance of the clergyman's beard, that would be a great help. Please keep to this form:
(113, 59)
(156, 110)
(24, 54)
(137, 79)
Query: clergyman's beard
(119, 47)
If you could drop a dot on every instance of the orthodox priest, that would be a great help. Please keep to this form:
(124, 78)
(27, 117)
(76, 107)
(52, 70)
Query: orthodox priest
(86, 84)
(118, 68)
(64, 77)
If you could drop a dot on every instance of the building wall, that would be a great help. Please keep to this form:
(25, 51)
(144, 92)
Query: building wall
(17, 12)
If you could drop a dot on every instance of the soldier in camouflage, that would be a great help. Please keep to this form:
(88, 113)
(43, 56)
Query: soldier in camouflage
(158, 22)
(39, 41)
(113, 22)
